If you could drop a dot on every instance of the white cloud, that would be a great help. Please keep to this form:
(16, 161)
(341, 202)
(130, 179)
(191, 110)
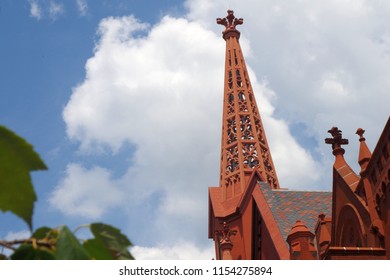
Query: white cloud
(162, 92)
(35, 10)
(180, 251)
(40, 9)
(82, 6)
(85, 193)
(160, 88)
(18, 235)
(55, 9)
(140, 89)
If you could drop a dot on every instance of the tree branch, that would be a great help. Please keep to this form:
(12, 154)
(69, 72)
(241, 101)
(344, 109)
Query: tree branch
(10, 244)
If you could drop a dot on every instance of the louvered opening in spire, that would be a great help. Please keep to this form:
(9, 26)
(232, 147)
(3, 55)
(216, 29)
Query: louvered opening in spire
(244, 143)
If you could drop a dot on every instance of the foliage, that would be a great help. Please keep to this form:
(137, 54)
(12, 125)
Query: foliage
(108, 243)
(17, 159)
(17, 195)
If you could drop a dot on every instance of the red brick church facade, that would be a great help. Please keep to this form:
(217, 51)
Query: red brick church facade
(251, 217)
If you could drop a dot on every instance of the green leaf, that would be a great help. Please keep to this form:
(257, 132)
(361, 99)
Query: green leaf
(97, 249)
(3, 257)
(17, 159)
(69, 247)
(116, 242)
(41, 232)
(28, 252)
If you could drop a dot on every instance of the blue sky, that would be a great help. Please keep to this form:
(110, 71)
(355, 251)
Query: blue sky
(123, 99)
(42, 59)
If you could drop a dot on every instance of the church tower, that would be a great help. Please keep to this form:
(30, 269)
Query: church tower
(245, 154)
(244, 144)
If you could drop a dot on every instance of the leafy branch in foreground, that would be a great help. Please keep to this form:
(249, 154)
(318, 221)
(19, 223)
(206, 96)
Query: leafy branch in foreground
(17, 195)
(17, 159)
(108, 243)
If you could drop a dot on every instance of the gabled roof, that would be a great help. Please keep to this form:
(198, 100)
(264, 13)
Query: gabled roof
(289, 206)
(224, 208)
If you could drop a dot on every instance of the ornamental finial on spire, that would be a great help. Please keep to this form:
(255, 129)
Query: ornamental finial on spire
(360, 132)
(230, 22)
(336, 141)
(364, 151)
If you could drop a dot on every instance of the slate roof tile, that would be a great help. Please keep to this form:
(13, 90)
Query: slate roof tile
(289, 206)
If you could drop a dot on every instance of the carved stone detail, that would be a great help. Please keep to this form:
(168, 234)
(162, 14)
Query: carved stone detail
(232, 159)
(246, 128)
(242, 104)
(231, 104)
(250, 155)
(231, 130)
(238, 78)
(230, 79)
(230, 21)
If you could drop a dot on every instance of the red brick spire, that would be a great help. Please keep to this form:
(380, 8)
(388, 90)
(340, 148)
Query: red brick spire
(244, 144)
(364, 151)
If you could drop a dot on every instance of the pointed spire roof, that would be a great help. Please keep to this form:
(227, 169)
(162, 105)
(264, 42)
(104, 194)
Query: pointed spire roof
(364, 151)
(244, 144)
(340, 165)
(299, 228)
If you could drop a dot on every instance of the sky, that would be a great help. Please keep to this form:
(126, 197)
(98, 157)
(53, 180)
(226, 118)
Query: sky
(123, 101)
